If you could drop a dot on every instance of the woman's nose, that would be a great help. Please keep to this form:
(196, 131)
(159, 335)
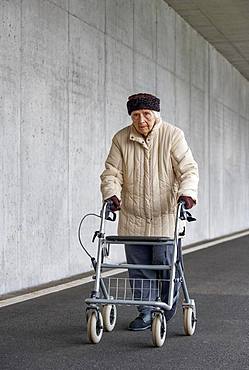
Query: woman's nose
(141, 118)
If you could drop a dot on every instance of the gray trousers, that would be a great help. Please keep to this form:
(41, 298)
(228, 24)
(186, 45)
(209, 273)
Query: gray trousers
(150, 255)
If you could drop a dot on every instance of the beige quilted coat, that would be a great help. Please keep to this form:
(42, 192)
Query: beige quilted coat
(149, 175)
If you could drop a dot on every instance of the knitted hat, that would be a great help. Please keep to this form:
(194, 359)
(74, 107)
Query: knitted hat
(143, 101)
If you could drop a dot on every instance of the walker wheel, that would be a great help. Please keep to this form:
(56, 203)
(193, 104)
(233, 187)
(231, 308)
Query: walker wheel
(189, 320)
(109, 313)
(159, 330)
(95, 326)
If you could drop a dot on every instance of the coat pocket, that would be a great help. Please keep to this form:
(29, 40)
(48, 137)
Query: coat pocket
(168, 196)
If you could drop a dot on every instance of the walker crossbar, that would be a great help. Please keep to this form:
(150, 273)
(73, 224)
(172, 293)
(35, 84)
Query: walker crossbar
(145, 240)
(132, 266)
(103, 301)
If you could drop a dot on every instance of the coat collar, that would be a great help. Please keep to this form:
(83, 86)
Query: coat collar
(135, 136)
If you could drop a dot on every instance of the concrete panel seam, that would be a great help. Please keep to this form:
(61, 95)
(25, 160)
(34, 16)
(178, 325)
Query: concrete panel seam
(156, 42)
(168, 70)
(83, 21)
(20, 139)
(68, 136)
(175, 66)
(209, 166)
(105, 87)
(133, 43)
(59, 6)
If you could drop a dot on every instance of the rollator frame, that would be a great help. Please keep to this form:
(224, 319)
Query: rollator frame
(96, 299)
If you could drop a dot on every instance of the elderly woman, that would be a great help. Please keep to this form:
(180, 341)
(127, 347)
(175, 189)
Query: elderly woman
(148, 170)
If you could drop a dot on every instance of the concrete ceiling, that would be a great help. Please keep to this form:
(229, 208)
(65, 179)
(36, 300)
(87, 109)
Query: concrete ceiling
(223, 23)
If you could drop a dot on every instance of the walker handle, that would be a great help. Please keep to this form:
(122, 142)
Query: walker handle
(109, 214)
(184, 214)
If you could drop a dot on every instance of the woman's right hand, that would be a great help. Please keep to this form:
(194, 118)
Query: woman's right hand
(116, 203)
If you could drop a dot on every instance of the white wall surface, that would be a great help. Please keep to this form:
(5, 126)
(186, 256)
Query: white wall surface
(66, 70)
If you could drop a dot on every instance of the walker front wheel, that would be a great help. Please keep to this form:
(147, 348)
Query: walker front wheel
(189, 319)
(95, 327)
(159, 330)
(109, 316)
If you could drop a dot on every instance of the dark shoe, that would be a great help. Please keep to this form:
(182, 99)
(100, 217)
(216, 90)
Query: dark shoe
(139, 324)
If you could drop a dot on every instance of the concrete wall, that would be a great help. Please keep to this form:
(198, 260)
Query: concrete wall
(66, 69)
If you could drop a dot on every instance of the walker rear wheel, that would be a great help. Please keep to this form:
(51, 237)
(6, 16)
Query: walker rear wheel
(189, 319)
(109, 316)
(159, 330)
(95, 327)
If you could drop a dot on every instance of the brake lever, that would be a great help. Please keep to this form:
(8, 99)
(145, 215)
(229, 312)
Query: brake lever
(189, 217)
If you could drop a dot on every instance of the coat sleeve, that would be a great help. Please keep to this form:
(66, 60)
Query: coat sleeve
(185, 167)
(112, 176)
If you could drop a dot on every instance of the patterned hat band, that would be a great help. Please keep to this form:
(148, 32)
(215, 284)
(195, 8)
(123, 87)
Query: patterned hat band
(143, 101)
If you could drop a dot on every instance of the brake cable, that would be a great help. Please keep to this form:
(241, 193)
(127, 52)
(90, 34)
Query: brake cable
(79, 237)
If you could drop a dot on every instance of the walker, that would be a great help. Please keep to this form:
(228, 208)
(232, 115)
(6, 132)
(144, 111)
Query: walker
(107, 293)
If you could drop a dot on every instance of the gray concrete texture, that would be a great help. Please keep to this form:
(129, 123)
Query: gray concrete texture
(67, 68)
(223, 23)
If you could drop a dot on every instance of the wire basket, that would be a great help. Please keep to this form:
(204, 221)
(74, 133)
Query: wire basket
(135, 289)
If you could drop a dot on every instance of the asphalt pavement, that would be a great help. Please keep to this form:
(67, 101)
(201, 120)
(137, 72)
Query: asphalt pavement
(50, 332)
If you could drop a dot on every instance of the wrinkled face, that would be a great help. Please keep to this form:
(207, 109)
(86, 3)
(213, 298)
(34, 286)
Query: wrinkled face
(143, 120)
